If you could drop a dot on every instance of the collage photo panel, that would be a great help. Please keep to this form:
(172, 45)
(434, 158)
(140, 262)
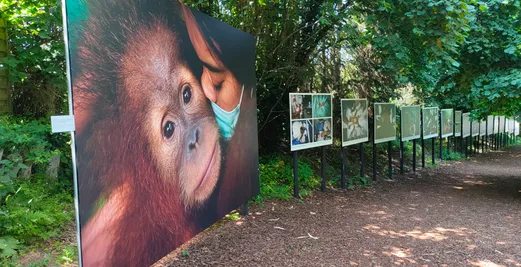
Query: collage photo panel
(310, 120)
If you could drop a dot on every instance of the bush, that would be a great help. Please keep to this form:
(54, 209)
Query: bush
(32, 209)
(358, 181)
(23, 144)
(276, 178)
(452, 155)
(36, 211)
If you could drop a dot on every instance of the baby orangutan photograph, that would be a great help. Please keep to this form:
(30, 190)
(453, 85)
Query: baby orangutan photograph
(166, 125)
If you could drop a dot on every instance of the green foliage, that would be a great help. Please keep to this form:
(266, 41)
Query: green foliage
(498, 90)
(35, 212)
(23, 143)
(358, 181)
(8, 247)
(407, 147)
(8, 173)
(517, 141)
(67, 255)
(429, 164)
(40, 263)
(32, 209)
(332, 174)
(30, 138)
(452, 155)
(457, 53)
(276, 178)
(232, 216)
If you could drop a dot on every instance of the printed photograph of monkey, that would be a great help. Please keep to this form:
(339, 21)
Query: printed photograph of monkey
(457, 123)
(501, 124)
(465, 124)
(300, 106)
(385, 122)
(430, 122)
(322, 129)
(447, 122)
(483, 127)
(475, 127)
(166, 125)
(490, 125)
(301, 132)
(410, 122)
(355, 121)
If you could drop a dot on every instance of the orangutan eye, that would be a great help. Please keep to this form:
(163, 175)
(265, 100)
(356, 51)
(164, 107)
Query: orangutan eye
(168, 129)
(187, 94)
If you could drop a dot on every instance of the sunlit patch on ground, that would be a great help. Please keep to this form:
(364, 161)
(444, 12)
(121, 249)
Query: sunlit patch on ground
(403, 255)
(483, 263)
(458, 187)
(436, 234)
(471, 247)
(476, 182)
(513, 262)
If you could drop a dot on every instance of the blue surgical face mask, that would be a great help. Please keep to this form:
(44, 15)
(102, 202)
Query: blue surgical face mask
(227, 120)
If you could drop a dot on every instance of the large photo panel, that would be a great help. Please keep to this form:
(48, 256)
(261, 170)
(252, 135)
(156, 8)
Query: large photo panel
(311, 120)
(166, 144)
(501, 124)
(410, 122)
(447, 122)
(355, 123)
(490, 125)
(511, 124)
(466, 124)
(457, 123)
(475, 127)
(482, 127)
(384, 122)
(430, 122)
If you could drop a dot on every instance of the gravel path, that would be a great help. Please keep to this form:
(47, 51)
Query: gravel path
(458, 214)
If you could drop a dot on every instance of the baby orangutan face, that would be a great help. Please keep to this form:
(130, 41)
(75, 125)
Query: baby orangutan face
(173, 113)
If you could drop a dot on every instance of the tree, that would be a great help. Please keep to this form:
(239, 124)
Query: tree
(37, 62)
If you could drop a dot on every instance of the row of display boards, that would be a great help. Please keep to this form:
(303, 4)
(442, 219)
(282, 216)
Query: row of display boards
(312, 126)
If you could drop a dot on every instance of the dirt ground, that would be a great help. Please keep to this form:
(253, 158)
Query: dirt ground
(459, 214)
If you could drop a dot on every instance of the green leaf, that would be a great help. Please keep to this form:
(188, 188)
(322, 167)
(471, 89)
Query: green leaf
(8, 246)
(510, 50)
